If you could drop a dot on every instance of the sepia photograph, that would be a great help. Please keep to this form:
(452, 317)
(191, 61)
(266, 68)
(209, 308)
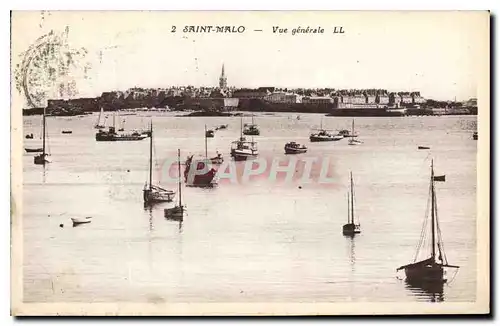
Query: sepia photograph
(250, 162)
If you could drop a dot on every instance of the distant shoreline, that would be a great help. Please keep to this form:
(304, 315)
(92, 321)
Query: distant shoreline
(238, 113)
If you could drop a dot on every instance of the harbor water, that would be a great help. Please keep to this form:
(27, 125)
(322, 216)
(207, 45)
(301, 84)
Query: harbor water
(257, 241)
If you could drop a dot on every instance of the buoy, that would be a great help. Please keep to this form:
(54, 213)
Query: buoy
(61, 225)
(300, 187)
(128, 170)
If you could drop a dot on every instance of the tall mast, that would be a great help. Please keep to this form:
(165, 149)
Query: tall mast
(433, 253)
(179, 166)
(114, 115)
(43, 131)
(151, 157)
(241, 128)
(206, 151)
(348, 209)
(352, 201)
(99, 118)
(321, 124)
(352, 133)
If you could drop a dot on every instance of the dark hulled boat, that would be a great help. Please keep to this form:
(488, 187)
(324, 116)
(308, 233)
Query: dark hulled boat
(431, 269)
(33, 150)
(206, 179)
(41, 158)
(112, 135)
(295, 148)
(251, 129)
(351, 228)
(154, 193)
(323, 135)
(176, 212)
(209, 133)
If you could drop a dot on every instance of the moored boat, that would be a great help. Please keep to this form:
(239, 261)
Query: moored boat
(66, 132)
(242, 150)
(81, 220)
(206, 179)
(41, 158)
(153, 193)
(423, 147)
(221, 127)
(98, 124)
(217, 160)
(351, 228)
(176, 212)
(431, 269)
(474, 135)
(251, 129)
(295, 148)
(324, 135)
(33, 150)
(352, 140)
(112, 135)
(209, 133)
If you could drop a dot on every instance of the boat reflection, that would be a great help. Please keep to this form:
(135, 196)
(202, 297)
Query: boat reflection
(174, 218)
(428, 291)
(352, 254)
(149, 210)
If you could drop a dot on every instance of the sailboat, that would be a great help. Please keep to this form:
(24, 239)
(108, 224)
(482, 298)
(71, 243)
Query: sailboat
(351, 228)
(98, 124)
(176, 212)
(153, 193)
(122, 128)
(242, 149)
(252, 129)
(429, 270)
(40, 159)
(206, 179)
(353, 141)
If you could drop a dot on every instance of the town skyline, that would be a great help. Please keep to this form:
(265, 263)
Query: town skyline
(398, 52)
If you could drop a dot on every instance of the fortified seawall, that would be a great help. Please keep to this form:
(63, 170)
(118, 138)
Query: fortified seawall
(179, 103)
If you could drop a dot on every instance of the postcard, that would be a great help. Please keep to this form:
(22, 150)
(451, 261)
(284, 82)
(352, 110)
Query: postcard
(239, 163)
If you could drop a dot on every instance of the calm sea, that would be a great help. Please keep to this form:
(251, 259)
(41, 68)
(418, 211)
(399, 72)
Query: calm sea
(260, 241)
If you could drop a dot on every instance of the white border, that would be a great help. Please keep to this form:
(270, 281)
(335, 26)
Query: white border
(181, 5)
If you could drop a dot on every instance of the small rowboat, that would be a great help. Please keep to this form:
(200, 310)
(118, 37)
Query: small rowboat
(423, 147)
(33, 150)
(67, 132)
(81, 220)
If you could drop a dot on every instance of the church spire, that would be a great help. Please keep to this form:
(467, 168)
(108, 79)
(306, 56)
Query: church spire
(222, 78)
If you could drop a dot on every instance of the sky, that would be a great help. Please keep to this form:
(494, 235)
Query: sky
(436, 53)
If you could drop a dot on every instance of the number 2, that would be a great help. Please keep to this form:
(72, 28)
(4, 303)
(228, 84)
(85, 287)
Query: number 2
(173, 29)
